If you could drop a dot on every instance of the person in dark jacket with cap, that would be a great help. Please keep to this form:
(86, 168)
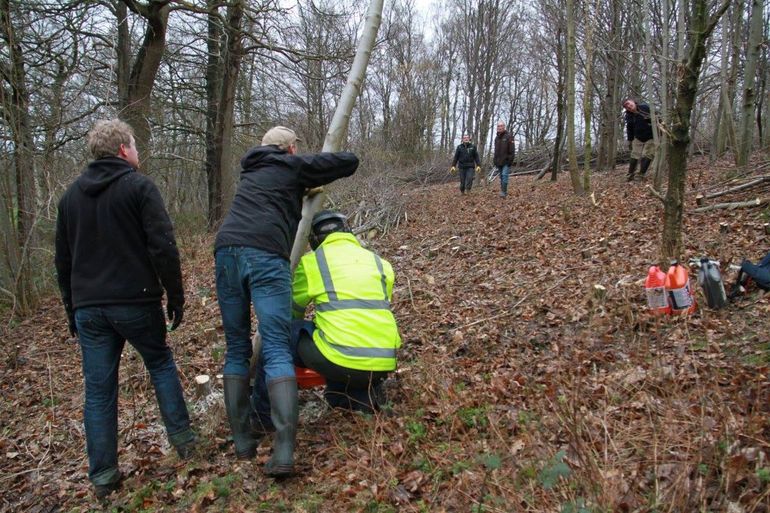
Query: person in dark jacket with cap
(467, 159)
(252, 250)
(115, 254)
(640, 137)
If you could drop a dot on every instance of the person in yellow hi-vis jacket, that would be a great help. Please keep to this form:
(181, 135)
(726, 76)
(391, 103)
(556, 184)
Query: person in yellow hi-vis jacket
(353, 338)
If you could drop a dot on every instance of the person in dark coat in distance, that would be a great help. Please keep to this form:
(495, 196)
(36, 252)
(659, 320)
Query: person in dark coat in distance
(115, 254)
(252, 250)
(467, 159)
(640, 137)
(505, 151)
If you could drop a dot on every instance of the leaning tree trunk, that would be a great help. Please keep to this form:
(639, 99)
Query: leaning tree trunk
(339, 124)
(137, 106)
(687, 88)
(749, 81)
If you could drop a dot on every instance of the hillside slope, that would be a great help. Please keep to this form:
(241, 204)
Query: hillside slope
(518, 388)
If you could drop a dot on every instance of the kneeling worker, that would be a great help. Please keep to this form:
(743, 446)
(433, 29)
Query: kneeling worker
(353, 339)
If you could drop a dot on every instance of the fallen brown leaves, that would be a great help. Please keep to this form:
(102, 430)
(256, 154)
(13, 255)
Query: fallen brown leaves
(520, 388)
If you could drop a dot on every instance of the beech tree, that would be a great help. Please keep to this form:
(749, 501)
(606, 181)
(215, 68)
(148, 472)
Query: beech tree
(701, 24)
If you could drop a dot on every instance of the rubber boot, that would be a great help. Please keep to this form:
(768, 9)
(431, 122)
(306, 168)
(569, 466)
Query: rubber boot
(285, 413)
(238, 409)
(643, 166)
(631, 170)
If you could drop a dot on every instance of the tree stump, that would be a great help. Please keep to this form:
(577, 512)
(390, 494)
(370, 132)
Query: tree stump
(202, 386)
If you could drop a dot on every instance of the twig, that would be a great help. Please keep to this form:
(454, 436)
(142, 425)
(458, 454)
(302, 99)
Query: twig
(53, 415)
(652, 191)
(411, 297)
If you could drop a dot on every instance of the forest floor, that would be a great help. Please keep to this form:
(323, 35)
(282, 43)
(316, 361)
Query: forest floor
(518, 389)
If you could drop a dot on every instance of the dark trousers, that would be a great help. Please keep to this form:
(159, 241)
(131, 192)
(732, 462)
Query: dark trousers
(466, 179)
(103, 331)
(351, 389)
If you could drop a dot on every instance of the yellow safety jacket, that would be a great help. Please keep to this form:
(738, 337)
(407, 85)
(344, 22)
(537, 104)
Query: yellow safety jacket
(351, 288)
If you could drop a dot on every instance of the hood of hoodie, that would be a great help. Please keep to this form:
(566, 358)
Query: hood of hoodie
(99, 174)
(258, 155)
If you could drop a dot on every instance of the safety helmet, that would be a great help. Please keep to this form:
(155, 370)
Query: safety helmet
(324, 223)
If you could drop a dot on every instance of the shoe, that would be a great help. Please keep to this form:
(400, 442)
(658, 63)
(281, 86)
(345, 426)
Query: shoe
(644, 165)
(104, 490)
(285, 413)
(631, 170)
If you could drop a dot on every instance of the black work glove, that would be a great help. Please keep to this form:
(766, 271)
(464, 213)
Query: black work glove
(175, 313)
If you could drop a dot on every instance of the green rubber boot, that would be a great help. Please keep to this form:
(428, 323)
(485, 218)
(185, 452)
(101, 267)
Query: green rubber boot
(285, 413)
(238, 408)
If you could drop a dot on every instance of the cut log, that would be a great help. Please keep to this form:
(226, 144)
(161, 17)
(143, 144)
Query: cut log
(699, 200)
(740, 204)
(600, 292)
(747, 185)
(542, 172)
(724, 228)
(202, 386)
(767, 228)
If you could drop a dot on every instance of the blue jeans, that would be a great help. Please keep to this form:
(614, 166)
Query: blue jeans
(504, 171)
(247, 276)
(103, 331)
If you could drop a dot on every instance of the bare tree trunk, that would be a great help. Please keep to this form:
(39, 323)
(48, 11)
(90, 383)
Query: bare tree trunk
(689, 70)
(648, 57)
(560, 108)
(749, 80)
(608, 135)
(136, 110)
(14, 107)
(588, 93)
(339, 124)
(225, 56)
(574, 174)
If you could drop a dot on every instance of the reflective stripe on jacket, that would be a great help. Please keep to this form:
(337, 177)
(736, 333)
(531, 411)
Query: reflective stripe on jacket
(351, 288)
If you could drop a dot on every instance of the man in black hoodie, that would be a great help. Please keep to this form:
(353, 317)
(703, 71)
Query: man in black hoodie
(252, 252)
(115, 254)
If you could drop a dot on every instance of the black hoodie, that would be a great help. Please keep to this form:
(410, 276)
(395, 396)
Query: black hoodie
(268, 203)
(114, 240)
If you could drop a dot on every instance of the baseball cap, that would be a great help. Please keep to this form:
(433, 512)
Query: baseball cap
(280, 136)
